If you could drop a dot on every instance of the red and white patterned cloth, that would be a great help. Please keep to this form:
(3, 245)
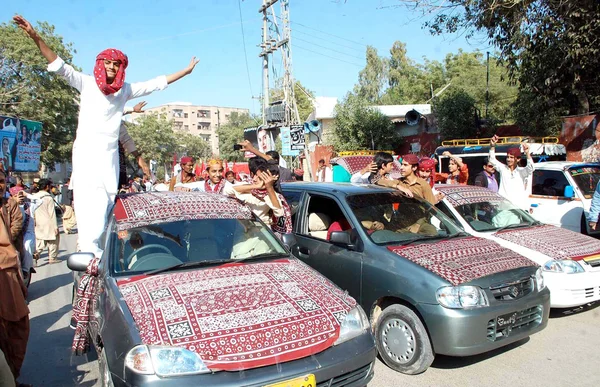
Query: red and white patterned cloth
(459, 195)
(463, 260)
(240, 315)
(140, 210)
(354, 164)
(555, 242)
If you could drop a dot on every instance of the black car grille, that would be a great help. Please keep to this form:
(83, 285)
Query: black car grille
(525, 320)
(349, 378)
(513, 290)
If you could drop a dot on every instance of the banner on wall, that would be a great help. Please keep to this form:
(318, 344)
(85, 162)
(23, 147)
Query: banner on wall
(261, 138)
(286, 143)
(21, 144)
(297, 137)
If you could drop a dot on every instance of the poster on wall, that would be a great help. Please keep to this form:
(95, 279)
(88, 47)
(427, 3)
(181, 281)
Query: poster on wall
(262, 139)
(286, 143)
(297, 137)
(21, 144)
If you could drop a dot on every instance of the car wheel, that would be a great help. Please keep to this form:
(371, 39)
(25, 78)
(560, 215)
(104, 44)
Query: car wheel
(402, 340)
(103, 371)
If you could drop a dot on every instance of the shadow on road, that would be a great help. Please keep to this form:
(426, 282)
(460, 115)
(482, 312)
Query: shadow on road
(564, 312)
(47, 285)
(451, 362)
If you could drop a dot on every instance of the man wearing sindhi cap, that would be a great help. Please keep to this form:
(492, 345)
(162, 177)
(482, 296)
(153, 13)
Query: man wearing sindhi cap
(419, 187)
(102, 99)
(512, 177)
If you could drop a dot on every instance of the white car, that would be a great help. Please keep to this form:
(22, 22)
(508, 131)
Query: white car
(570, 261)
(561, 194)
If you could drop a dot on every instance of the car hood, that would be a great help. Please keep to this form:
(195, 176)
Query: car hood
(555, 242)
(462, 260)
(239, 315)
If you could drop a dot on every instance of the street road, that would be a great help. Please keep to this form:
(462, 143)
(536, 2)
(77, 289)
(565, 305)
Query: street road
(564, 354)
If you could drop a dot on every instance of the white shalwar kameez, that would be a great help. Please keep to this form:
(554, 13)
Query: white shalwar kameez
(513, 183)
(95, 150)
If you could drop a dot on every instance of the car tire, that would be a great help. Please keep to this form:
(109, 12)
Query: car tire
(103, 372)
(402, 340)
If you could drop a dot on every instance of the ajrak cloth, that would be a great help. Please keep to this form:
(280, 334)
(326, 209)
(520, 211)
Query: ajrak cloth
(242, 315)
(162, 207)
(459, 195)
(555, 242)
(279, 224)
(354, 164)
(81, 310)
(463, 260)
(217, 188)
(100, 71)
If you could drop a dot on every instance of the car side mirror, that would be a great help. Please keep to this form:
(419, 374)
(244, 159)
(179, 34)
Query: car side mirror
(79, 261)
(342, 238)
(569, 193)
(288, 240)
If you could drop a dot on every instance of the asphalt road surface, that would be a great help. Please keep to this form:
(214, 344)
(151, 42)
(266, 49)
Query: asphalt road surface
(564, 354)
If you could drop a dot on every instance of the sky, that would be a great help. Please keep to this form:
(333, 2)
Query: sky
(329, 39)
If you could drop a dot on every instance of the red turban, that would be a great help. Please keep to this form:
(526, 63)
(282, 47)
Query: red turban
(427, 164)
(100, 71)
(186, 159)
(515, 152)
(411, 158)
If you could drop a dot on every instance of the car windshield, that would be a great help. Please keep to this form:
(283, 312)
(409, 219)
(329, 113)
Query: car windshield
(392, 218)
(586, 179)
(494, 215)
(158, 246)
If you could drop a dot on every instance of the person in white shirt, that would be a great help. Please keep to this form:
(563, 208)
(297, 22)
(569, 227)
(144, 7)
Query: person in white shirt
(215, 183)
(324, 173)
(95, 151)
(513, 179)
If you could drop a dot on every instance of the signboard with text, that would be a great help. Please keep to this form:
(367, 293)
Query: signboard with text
(21, 144)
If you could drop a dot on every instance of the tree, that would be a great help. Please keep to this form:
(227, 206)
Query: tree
(357, 126)
(232, 133)
(154, 138)
(455, 114)
(30, 92)
(548, 45)
(191, 145)
(372, 79)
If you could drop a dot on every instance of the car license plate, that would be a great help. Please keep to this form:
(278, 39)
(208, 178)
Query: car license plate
(506, 320)
(303, 381)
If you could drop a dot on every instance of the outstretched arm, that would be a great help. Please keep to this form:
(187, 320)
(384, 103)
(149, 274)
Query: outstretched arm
(44, 49)
(182, 73)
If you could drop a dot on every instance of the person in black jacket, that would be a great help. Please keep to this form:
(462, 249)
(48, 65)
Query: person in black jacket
(488, 177)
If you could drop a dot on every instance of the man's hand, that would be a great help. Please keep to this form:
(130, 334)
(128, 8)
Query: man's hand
(494, 140)
(23, 24)
(447, 154)
(142, 163)
(371, 167)
(592, 225)
(407, 192)
(267, 178)
(139, 107)
(246, 146)
(376, 226)
(192, 64)
(525, 148)
(439, 197)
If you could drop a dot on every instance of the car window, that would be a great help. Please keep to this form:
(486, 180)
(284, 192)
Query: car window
(444, 208)
(392, 218)
(549, 183)
(324, 216)
(494, 215)
(156, 246)
(293, 200)
(586, 179)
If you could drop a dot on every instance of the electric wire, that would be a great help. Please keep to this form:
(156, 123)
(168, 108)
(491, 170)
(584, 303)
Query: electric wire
(245, 53)
(330, 49)
(328, 56)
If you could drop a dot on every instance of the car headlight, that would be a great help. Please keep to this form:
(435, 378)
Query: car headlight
(461, 297)
(164, 361)
(563, 266)
(539, 279)
(355, 324)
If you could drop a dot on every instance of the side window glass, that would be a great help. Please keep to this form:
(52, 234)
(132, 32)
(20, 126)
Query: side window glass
(549, 183)
(293, 200)
(442, 207)
(324, 216)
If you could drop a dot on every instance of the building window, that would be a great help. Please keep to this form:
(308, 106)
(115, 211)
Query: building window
(203, 126)
(177, 113)
(177, 125)
(185, 115)
(203, 114)
(186, 128)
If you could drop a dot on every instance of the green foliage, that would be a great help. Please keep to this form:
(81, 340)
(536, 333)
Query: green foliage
(30, 92)
(304, 101)
(232, 133)
(154, 138)
(372, 79)
(359, 127)
(456, 115)
(191, 145)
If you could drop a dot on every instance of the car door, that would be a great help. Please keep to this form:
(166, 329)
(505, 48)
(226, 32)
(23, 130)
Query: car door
(341, 264)
(548, 203)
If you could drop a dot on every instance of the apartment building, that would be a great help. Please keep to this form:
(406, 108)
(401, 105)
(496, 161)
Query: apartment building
(199, 120)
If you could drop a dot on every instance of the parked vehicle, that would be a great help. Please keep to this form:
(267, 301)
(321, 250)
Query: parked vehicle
(193, 290)
(427, 287)
(570, 261)
(561, 194)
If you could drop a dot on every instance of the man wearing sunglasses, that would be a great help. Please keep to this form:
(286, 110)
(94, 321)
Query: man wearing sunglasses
(487, 178)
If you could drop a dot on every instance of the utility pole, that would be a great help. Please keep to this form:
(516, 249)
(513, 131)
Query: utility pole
(487, 87)
(266, 50)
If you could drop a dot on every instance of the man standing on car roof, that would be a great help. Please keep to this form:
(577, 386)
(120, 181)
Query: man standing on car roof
(513, 179)
(417, 186)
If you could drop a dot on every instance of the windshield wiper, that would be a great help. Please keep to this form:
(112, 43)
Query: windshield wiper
(513, 226)
(185, 265)
(263, 256)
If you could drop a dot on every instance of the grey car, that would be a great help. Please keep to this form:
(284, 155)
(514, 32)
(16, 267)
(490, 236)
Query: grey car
(427, 287)
(193, 290)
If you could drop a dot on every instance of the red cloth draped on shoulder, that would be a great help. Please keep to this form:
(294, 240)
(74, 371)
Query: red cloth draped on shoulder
(100, 71)
(218, 187)
(279, 225)
(81, 309)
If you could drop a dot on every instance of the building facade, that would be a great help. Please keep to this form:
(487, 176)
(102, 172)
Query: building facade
(198, 120)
